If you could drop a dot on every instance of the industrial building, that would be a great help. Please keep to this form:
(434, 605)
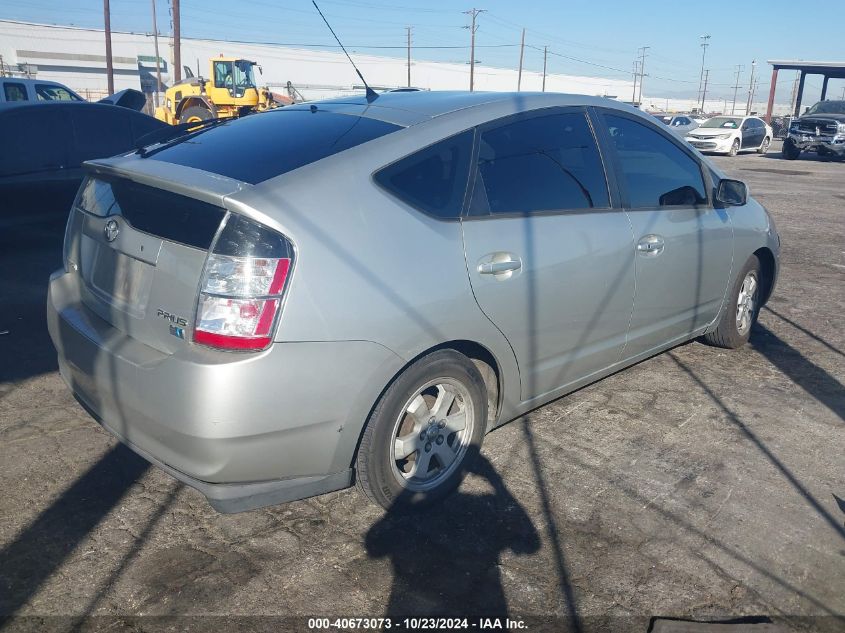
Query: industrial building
(75, 57)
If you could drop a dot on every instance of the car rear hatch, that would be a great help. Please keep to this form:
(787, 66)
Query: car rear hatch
(138, 240)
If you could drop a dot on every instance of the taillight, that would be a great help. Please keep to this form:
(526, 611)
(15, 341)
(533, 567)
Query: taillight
(242, 287)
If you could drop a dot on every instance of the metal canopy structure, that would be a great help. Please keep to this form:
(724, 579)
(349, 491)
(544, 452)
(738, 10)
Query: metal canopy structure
(828, 70)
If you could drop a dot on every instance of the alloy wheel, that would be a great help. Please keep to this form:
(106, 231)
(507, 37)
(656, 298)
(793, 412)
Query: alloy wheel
(431, 434)
(746, 303)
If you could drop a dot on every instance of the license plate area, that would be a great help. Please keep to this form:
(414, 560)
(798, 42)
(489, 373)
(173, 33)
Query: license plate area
(118, 279)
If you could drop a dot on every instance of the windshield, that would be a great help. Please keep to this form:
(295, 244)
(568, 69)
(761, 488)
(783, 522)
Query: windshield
(243, 74)
(828, 107)
(729, 123)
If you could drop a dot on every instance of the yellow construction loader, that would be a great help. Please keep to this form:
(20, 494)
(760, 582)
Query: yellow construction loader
(230, 92)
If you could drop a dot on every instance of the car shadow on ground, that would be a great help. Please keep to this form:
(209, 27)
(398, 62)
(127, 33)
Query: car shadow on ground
(446, 559)
(816, 381)
(28, 254)
(42, 547)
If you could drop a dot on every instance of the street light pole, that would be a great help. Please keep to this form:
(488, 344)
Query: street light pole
(704, 45)
(751, 87)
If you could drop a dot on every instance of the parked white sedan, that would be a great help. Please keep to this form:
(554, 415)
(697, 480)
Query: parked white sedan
(731, 134)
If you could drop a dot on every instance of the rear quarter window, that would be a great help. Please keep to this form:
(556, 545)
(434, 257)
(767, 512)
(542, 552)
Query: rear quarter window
(434, 179)
(14, 92)
(262, 146)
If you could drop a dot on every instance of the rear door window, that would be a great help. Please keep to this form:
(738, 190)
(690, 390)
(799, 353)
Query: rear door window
(40, 138)
(655, 171)
(434, 179)
(262, 146)
(46, 92)
(100, 132)
(539, 163)
(14, 92)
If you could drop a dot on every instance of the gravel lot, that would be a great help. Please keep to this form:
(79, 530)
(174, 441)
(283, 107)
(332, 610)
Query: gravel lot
(701, 484)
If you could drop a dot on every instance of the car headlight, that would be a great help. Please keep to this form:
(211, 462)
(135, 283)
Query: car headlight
(722, 137)
(840, 128)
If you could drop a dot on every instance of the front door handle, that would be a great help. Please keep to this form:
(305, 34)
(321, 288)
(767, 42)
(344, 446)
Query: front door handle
(651, 245)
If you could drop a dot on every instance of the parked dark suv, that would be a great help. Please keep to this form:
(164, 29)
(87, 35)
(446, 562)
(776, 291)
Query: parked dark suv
(820, 130)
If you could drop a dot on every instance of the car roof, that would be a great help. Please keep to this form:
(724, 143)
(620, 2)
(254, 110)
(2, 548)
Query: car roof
(28, 80)
(410, 108)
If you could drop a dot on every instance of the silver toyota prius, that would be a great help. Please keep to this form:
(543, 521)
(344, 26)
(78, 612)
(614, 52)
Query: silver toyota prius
(278, 306)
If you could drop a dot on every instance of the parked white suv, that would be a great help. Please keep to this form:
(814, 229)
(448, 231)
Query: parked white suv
(15, 89)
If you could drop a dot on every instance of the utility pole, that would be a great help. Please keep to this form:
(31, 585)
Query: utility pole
(704, 89)
(521, 55)
(795, 92)
(408, 29)
(739, 68)
(177, 43)
(109, 67)
(751, 87)
(472, 28)
(158, 65)
(704, 44)
(636, 75)
(642, 50)
(545, 58)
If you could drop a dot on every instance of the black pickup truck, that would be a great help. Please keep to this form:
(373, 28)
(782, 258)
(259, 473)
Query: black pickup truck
(821, 129)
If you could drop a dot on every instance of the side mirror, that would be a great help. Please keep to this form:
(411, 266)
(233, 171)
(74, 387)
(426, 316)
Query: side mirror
(732, 193)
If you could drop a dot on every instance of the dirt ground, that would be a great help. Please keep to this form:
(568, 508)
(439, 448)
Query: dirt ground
(701, 484)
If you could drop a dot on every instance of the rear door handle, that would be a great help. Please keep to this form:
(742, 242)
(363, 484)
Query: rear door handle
(651, 245)
(496, 268)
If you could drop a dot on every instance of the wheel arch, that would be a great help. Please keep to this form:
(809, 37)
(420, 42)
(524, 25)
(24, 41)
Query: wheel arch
(487, 364)
(195, 100)
(768, 271)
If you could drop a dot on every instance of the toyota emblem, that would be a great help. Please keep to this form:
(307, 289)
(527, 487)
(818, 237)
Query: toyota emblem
(111, 229)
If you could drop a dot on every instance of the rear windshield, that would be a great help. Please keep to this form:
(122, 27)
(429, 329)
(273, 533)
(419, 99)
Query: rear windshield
(262, 146)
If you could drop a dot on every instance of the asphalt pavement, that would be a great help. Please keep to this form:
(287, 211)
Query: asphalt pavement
(702, 484)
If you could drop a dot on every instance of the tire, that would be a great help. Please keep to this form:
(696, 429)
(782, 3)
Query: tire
(729, 333)
(195, 114)
(408, 409)
(764, 146)
(734, 148)
(789, 151)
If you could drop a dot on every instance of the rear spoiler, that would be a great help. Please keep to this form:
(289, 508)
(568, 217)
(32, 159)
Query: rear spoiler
(129, 98)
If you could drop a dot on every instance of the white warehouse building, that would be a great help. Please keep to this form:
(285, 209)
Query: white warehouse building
(76, 57)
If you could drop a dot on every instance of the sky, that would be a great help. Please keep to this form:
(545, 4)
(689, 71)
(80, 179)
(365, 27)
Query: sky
(598, 38)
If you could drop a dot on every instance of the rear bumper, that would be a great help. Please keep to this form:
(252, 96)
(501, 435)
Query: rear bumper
(244, 429)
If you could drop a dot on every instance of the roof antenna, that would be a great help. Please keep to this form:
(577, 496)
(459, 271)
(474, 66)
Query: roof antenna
(372, 95)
